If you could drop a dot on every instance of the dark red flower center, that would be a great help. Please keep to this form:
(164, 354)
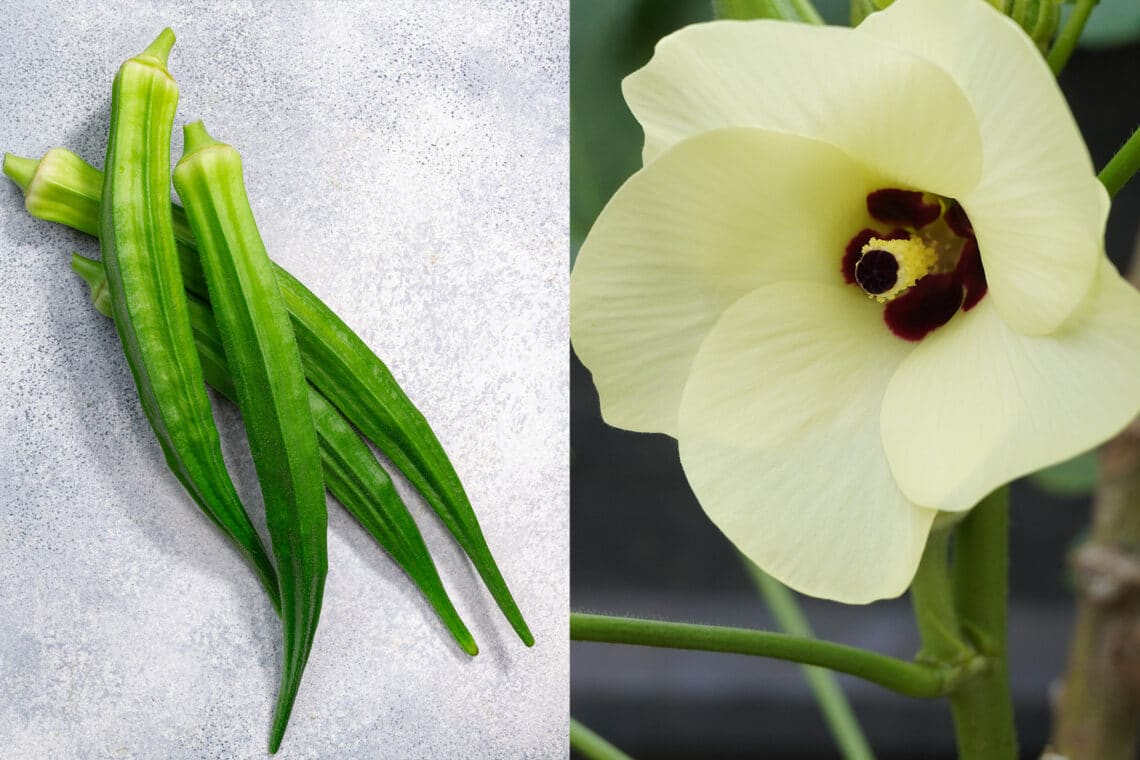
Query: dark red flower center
(957, 280)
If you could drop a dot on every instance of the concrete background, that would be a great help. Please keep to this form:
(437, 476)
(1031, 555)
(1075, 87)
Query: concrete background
(407, 161)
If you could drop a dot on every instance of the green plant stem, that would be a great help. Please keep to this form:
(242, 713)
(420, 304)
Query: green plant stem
(1066, 41)
(932, 596)
(785, 10)
(982, 705)
(837, 712)
(909, 678)
(592, 746)
(1123, 165)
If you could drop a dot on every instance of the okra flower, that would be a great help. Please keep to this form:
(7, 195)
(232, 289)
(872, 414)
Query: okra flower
(860, 278)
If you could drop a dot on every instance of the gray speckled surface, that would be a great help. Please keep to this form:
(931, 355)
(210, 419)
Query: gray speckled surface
(407, 160)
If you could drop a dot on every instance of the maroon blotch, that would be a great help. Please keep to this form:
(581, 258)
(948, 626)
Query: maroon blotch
(971, 274)
(958, 222)
(925, 307)
(906, 207)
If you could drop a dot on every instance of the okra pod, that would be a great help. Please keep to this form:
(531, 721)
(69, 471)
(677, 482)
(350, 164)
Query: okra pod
(352, 474)
(271, 389)
(346, 371)
(144, 284)
(336, 360)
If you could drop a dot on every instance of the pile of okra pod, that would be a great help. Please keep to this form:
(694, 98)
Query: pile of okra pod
(196, 301)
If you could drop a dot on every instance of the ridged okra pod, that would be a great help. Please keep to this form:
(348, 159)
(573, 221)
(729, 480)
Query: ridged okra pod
(271, 390)
(352, 474)
(144, 282)
(336, 360)
(346, 371)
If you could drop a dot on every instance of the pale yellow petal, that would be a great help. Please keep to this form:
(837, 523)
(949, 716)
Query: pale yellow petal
(978, 404)
(887, 108)
(1038, 209)
(714, 218)
(779, 438)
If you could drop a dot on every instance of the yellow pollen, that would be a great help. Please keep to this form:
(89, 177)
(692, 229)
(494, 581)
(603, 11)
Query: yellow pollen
(915, 258)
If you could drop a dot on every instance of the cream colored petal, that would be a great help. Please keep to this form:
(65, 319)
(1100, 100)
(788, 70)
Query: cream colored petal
(715, 217)
(887, 108)
(779, 437)
(978, 404)
(1039, 210)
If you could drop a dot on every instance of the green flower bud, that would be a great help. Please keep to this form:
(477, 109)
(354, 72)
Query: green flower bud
(1039, 18)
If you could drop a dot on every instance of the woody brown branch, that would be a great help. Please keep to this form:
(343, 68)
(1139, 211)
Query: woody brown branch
(1097, 714)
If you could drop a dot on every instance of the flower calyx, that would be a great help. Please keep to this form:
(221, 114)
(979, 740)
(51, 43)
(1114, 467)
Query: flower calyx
(1039, 18)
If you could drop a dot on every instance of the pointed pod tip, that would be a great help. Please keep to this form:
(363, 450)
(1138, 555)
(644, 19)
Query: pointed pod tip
(281, 714)
(521, 628)
(159, 50)
(275, 738)
(20, 170)
(458, 630)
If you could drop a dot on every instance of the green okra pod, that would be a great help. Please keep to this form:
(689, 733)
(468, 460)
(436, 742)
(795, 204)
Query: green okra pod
(336, 360)
(352, 474)
(144, 284)
(346, 371)
(271, 389)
